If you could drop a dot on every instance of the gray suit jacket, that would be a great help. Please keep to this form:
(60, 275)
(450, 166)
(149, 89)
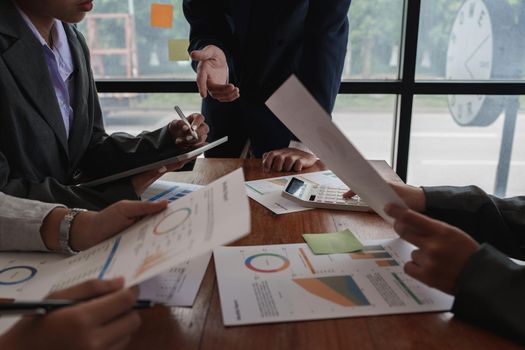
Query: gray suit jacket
(37, 160)
(490, 290)
(20, 222)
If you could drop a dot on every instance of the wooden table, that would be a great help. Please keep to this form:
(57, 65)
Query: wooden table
(201, 327)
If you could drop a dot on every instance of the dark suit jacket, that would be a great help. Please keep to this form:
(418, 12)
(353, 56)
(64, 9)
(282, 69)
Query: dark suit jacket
(265, 42)
(37, 160)
(491, 289)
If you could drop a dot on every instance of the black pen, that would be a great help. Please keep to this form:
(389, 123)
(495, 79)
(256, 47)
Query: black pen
(45, 306)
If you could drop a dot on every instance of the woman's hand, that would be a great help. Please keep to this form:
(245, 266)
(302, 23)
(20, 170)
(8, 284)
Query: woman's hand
(181, 134)
(91, 228)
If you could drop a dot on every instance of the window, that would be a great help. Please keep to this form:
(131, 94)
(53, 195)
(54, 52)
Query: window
(422, 79)
(442, 152)
(124, 45)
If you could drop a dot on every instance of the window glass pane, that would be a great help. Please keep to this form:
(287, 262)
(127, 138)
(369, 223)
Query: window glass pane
(375, 37)
(368, 121)
(123, 43)
(445, 150)
(471, 40)
(134, 113)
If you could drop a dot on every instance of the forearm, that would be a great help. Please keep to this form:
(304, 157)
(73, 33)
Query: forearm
(21, 221)
(499, 222)
(51, 227)
(49, 190)
(208, 26)
(109, 154)
(324, 50)
(489, 292)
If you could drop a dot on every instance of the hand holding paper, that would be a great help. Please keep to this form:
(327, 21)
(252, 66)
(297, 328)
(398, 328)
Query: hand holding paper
(299, 111)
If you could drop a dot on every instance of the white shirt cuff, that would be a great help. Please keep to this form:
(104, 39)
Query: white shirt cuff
(300, 146)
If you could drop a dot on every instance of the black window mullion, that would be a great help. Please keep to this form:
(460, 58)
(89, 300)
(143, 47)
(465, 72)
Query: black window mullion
(408, 74)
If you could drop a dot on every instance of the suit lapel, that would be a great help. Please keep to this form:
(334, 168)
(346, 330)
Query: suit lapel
(25, 59)
(81, 86)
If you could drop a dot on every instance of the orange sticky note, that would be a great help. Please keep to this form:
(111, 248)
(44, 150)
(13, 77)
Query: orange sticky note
(162, 15)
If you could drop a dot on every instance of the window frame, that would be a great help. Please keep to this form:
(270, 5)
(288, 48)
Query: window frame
(405, 88)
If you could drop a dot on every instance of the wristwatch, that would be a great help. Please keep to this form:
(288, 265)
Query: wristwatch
(65, 230)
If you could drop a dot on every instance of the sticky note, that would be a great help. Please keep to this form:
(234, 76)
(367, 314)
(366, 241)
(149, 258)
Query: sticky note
(336, 242)
(178, 49)
(162, 15)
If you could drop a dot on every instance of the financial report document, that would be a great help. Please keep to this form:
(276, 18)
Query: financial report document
(190, 227)
(288, 282)
(180, 284)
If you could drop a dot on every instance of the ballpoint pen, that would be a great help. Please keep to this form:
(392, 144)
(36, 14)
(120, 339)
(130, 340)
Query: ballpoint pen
(45, 306)
(183, 117)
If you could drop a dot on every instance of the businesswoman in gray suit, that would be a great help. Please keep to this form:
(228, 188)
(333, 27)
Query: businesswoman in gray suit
(51, 127)
(105, 321)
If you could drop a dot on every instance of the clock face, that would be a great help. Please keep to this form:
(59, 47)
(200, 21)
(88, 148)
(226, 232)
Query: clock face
(470, 57)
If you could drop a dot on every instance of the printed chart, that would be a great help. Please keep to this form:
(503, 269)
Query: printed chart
(171, 191)
(276, 283)
(16, 271)
(179, 285)
(189, 227)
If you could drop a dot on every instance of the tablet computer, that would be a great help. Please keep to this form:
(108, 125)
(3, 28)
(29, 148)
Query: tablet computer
(155, 165)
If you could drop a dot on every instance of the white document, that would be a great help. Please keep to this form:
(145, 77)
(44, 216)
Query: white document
(179, 286)
(191, 226)
(267, 192)
(279, 283)
(299, 111)
(17, 270)
(168, 190)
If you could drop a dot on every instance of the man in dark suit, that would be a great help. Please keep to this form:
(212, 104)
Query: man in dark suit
(243, 50)
(464, 237)
(51, 127)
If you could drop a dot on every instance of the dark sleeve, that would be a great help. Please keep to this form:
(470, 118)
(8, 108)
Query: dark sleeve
(49, 190)
(110, 154)
(324, 49)
(488, 219)
(490, 292)
(208, 26)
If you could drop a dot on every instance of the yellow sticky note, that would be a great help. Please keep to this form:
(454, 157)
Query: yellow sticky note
(178, 49)
(162, 15)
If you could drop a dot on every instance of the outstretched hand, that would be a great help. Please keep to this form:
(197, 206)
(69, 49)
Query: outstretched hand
(212, 74)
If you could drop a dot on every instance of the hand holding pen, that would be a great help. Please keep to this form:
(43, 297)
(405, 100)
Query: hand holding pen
(189, 131)
(105, 319)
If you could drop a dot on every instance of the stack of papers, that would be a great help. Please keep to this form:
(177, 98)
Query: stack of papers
(191, 226)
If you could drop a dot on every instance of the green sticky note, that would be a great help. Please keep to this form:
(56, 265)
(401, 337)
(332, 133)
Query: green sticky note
(329, 243)
(178, 49)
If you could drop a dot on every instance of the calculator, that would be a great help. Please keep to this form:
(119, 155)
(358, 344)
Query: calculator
(312, 195)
